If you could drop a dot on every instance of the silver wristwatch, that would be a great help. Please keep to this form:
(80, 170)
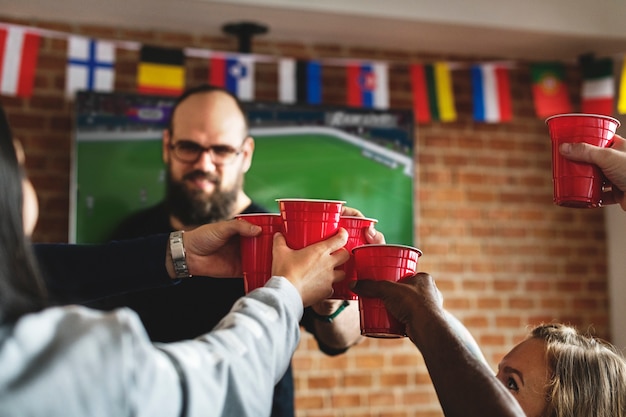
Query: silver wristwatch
(177, 250)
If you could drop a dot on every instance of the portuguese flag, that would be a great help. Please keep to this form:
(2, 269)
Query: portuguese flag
(161, 71)
(549, 89)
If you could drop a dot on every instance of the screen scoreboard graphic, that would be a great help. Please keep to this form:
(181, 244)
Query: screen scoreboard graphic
(364, 157)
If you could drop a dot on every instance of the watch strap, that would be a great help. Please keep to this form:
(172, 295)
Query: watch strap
(177, 251)
(329, 318)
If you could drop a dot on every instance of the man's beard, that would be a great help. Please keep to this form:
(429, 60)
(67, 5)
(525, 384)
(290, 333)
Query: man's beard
(194, 207)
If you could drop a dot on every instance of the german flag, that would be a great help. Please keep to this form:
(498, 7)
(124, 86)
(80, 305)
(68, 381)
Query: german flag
(161, 71)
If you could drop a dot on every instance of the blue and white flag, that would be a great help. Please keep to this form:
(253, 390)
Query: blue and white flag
(236, 74)
(90, 65)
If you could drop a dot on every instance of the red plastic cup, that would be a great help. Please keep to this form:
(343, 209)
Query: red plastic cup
(578, 184)
(386, 262)
(308, 221)
(256, 251)
(357, 229)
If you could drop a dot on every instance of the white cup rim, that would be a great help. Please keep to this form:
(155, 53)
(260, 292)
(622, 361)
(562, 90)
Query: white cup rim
(314, 200)
(256, 214)
(359, 218)
(395, 245)
(603, 116)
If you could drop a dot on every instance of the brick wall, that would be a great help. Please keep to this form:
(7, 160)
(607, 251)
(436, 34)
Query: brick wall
(504, 256)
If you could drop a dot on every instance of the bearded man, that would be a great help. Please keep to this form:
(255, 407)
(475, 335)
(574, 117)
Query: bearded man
(207, 151)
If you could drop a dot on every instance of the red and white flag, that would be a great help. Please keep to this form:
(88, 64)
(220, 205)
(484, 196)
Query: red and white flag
(598, 86)
(18, 59)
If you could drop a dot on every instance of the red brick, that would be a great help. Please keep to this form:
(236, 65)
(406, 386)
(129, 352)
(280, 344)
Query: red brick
(394, 379)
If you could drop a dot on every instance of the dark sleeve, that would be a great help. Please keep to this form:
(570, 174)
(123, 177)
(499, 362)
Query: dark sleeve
(308, 322)
(80, 273)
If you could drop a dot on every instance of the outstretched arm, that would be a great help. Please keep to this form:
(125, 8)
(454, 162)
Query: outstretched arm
(464, 385)
(230, 371)
(81, 273)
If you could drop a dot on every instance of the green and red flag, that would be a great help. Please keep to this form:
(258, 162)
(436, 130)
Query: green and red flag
(549, 90)
(433, 98)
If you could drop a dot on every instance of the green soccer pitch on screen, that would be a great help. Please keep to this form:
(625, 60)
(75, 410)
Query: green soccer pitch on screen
(364, 157)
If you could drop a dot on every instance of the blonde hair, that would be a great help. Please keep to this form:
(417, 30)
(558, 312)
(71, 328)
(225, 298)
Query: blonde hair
(588, 375)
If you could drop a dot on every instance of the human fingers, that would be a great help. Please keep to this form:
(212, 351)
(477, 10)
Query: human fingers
(311, 269)
(242, 227)
(404, 297)
(582, 152)
(372, 288)
(373, 236)
(350, 211)
(213, 249)
(619, 143)
(209, 237)
(297, 266)
(605, 158)
(336, 242)
(612, 161)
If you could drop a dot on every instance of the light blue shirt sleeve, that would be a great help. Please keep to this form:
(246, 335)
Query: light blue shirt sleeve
(73, 362)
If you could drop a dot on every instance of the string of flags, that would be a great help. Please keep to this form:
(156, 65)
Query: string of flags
(91, 66)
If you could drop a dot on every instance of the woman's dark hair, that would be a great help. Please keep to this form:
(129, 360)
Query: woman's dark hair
(21, 288)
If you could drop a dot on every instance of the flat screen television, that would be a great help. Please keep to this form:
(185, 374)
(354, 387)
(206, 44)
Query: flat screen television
(364, 157)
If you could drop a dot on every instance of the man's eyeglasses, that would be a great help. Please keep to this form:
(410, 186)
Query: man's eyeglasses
(190, 152)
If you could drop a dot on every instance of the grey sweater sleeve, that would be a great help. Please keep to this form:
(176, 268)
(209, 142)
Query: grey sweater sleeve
(232, 370)
(73, 361)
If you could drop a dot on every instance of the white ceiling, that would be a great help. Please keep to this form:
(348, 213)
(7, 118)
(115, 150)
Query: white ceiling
(530, 29)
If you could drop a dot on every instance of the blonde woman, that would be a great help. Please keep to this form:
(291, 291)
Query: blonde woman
(554, 372)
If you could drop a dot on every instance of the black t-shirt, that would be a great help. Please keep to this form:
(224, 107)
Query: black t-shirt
(183, 311)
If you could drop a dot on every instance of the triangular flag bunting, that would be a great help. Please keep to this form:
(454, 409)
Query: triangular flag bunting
(368, 85)
(18, 60)
(90, 65)
(236, 74)
(549, 89)
(491, 93)
(433, 98)
(161, 71)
